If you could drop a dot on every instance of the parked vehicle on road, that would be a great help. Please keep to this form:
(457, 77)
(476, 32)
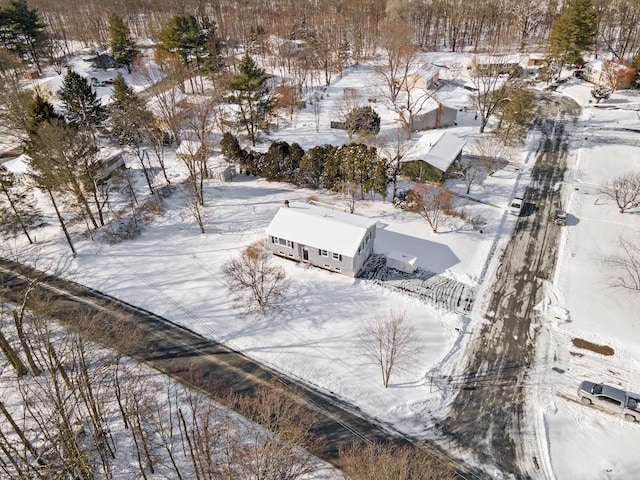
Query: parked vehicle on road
(611, 399)
(560, 217)
(516, 206)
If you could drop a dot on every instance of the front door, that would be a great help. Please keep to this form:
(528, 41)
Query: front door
(305, 254)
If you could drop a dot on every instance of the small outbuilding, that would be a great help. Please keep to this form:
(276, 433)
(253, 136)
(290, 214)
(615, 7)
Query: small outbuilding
(431, 156)
(402, 262)
(223, 172)
(335, 240)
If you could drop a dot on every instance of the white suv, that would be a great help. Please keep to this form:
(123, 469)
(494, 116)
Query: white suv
(516, 206)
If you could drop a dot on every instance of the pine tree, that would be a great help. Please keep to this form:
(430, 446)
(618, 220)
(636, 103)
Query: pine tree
(22, 31)
(83, 108)
(130, 117)
(363, 122)
(189, 42)
(251, 94)
(573, 32)
(63, 159)
(18, 210)
(123, 47)
(311, 166)
(40, 110)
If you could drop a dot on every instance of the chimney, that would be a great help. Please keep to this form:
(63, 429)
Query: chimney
(286, 204)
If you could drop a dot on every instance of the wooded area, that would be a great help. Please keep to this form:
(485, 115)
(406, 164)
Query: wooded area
(360, 25)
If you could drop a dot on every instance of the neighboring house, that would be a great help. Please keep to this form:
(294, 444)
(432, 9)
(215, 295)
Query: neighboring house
(435, 115)
(423, 80)
(337, 241)
(608, 74)
(498, 64)
(108, 161)
(431, 157)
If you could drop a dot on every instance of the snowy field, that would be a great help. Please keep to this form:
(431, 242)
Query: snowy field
(174, 271)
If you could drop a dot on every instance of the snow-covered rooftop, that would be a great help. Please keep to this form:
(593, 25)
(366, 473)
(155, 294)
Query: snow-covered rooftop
(318, 227)
(437, 148)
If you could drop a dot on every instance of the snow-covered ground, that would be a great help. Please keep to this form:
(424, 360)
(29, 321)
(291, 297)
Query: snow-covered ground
(174, 271)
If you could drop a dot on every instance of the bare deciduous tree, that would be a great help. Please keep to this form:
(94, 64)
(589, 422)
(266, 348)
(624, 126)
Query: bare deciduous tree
(493, 153)
(282, 443)
(195, 207)
(624, 190)
(471, 169)
(350, 193)
(627, 265)
(431, 202)
(383, 462)
(389, 342)
(492, 88)
(253, 280)
(393, 148)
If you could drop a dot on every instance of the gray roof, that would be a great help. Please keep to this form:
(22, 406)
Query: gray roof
(437, 148)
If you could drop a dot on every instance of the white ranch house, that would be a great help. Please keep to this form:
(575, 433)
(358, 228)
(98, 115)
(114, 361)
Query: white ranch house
(335, 240)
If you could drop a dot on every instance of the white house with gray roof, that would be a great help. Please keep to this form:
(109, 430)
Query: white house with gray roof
(335, 240)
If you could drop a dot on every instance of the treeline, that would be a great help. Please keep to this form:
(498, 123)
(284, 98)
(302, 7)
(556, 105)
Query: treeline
(361, 26)
(73, 410)
(325, 166)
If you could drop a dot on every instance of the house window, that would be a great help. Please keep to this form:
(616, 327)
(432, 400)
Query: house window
(327, 266)
(337, 256)
(282, 241)
(338, 269)
(289, 244)
(323, 253)
(273, 239)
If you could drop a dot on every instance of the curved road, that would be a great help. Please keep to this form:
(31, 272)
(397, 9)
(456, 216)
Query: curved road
(488, 412)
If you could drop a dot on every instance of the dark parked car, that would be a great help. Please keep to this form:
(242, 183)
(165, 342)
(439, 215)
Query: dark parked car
(560, 217)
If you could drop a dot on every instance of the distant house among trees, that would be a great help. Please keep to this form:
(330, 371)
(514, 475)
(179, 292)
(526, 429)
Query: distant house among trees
(422, 80)
(109, 160)
(609, 73)
(431, 157)
(498, 64)
(335, 240)
(435, 115)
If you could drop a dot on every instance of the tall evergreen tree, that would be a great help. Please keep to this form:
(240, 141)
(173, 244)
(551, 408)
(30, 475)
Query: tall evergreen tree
(130, 118)
(40, 110)
(83, 108)
(312, 164)
(251, 94)
(123, 48)
(189, 42)
(573, 32)
(18, 210)
(63, 159)
(22, 31)
(132, 123)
